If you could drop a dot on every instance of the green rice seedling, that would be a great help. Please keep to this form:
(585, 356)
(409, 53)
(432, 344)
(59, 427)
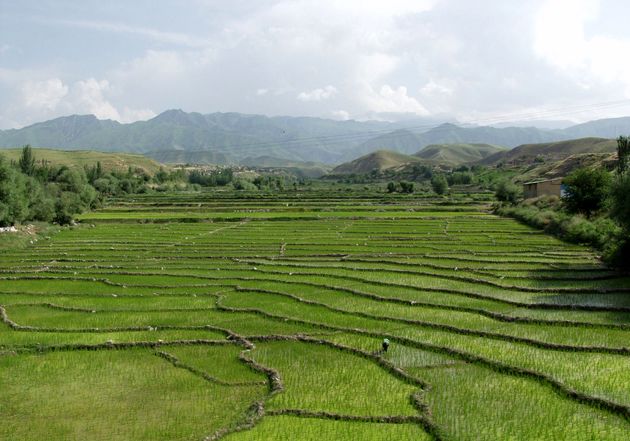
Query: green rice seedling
(221, 362)
(471, 403)
(12, 340)
(320, 378)
(440, 278)
(113, 395)
(580, 371)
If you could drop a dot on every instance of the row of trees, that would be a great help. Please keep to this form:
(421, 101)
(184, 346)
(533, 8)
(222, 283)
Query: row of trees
(401, 187)
(32, 190)
(439, 184)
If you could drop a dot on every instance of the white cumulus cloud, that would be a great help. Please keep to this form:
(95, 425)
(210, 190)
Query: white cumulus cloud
(44, 95)
(393, 100)
(319, 94)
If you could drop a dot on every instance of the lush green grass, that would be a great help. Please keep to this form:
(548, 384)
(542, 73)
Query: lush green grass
(469, 400)
(310, 429)
(112, 395)
(319, 378)
(180, 316)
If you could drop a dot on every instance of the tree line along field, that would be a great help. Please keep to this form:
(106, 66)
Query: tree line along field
(245, 317)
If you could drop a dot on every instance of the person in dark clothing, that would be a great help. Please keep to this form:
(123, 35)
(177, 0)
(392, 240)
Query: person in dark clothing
(385, 345)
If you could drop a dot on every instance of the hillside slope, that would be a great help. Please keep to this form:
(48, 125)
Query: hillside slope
(402, 141)
(190, 157)
(81, 158)
(455, 154)
(549, 151)
(560, 168)
(307, 169)
(379, 160)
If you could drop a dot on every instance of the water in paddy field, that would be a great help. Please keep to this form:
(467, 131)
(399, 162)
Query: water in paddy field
(192, 316)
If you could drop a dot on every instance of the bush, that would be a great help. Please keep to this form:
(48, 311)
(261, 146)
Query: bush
(439, 184)
(507, 191)
(586, 190)
(620, 201)
(620, 211)
(460, 178)
(243, 184)
(406, 187)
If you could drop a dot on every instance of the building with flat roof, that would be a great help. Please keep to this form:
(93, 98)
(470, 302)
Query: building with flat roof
(546, 187)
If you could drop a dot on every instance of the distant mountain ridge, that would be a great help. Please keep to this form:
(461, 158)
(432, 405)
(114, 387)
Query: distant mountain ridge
(235, 136)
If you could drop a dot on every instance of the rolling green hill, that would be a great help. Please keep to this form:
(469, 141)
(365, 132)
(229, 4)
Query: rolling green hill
(455, 154)
(379, 160)
(80, 158)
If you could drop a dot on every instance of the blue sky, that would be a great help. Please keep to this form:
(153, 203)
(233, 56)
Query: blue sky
(475, 61)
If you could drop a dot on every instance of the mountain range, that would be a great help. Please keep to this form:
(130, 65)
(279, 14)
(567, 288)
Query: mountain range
(228, 138)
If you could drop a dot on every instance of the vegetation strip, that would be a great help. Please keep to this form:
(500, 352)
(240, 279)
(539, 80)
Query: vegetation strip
(389, 419)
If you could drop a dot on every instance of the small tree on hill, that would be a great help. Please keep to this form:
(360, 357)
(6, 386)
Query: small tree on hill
(391, 187)
(586, 190)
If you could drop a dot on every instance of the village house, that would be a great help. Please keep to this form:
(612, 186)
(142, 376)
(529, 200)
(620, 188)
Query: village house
(551, 187)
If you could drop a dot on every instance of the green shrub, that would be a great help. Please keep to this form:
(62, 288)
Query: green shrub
(586, 190)
(507, 191)
(439, 184)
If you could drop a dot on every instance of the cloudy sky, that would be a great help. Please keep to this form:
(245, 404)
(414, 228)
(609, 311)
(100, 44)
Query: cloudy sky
(477, 61)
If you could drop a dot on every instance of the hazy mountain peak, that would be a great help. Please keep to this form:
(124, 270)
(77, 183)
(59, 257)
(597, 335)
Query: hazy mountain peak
(238, 136)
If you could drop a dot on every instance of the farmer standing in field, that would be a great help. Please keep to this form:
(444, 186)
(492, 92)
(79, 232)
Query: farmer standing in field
(385, 345)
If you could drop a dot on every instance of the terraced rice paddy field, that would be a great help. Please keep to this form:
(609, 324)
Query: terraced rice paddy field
(240, 317)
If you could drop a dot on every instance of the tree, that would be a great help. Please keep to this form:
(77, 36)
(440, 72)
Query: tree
(406, 187)
(507, 191)
(620, 212)
(94, 173)
(623, 154)
(620, 201)
(13, 197)
(161, 176)
(391, 187)
(439, 184)
(27, 161)
(460, 178)
(586, 190)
